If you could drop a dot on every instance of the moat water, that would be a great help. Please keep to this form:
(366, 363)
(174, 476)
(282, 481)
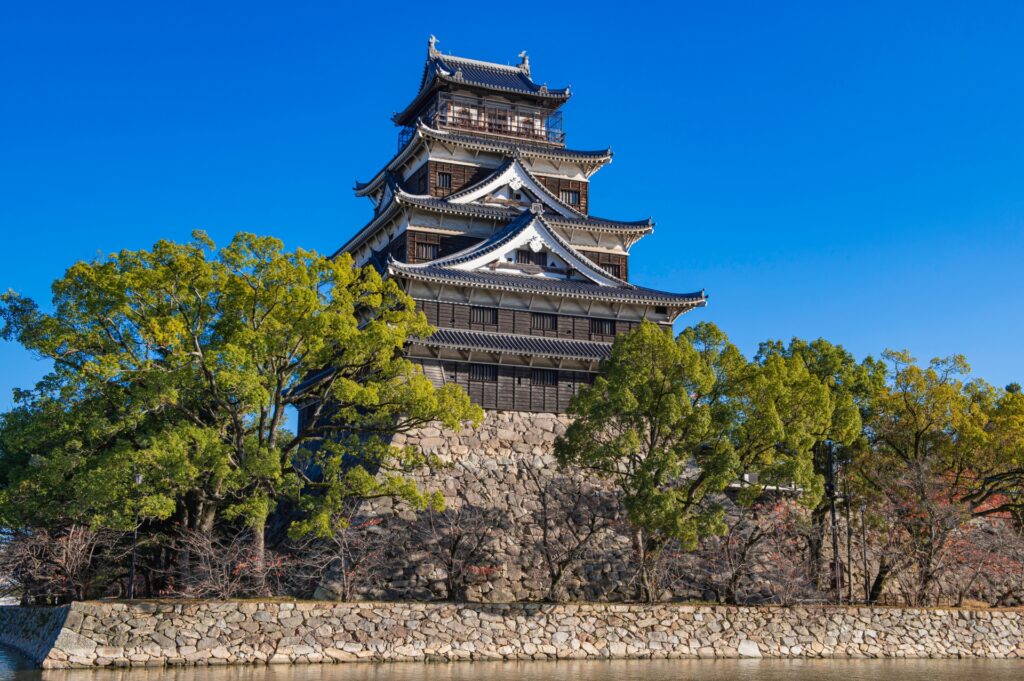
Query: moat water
(15, 668)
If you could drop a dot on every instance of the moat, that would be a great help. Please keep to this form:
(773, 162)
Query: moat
(15, 668)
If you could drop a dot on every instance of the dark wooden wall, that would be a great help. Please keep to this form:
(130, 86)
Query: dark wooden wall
(424, 180)
(606, 259)
(452, 316)
(556, 184)
(514, 388)
(447, 245)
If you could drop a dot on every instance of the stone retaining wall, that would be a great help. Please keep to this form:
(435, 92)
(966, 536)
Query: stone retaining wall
(33, 631)
(204, 633)
(493, 486)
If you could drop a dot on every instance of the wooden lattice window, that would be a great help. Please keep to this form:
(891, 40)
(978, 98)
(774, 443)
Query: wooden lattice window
(540, 321)
(525, 256)
(483, 373)
(427, 251)
(544, 377)
(444, 180)
(602, 327)
(499, 122)
(483, 315)
(570, 196)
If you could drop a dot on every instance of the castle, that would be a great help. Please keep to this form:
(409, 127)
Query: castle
(483, 217)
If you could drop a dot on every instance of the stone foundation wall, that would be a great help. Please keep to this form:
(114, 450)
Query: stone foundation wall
(205, 633)
(511, 514)
(500, 480)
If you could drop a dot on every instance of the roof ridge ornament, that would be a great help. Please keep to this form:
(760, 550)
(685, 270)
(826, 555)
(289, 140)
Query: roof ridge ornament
(524, 62)
(537, 208)
(432, 46)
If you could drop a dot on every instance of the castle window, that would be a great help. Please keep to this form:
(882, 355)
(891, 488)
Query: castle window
(544, 377)
(444, 180)
(499, 122)
(483, 373)
(612, 268)
(483, 315)
(525, 256)
(570, 196)
(426, 252)
(602, 327)
(543, 322)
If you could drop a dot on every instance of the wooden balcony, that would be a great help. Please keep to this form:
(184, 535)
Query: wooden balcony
(482, 117)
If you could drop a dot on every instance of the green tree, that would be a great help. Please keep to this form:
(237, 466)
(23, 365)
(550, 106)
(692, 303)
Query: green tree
(671, 422)
(181, 363)
(852, 386)
(942, 450)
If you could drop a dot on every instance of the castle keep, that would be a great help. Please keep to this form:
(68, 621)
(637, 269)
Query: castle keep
(483, 215)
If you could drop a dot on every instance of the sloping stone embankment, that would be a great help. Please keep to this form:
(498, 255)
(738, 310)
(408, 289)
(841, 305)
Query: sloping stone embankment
(204, 633)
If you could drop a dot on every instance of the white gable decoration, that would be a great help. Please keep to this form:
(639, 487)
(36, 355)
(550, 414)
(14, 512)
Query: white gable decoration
(514, 176)
(531, 233)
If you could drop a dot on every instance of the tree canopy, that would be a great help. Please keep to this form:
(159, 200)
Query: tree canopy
(181, 363)
(672, 422)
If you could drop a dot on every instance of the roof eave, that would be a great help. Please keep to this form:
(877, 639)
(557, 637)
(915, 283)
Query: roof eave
(595, 159)
(558, 97)
(508, 351)
(682, 301)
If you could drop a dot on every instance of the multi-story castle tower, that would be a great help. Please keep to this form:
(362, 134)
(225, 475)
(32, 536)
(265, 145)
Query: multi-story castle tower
(483, 216)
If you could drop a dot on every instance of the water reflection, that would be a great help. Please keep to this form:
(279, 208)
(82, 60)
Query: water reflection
(13, 669)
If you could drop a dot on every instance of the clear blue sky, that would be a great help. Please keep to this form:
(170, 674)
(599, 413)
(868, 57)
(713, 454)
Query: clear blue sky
(847, 170)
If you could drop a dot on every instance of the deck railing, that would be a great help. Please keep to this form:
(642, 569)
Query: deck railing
(482, 117)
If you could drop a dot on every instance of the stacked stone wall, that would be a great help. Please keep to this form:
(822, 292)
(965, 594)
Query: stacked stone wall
(498, 482)
(512, 511)
(208, 633)
(33, 631)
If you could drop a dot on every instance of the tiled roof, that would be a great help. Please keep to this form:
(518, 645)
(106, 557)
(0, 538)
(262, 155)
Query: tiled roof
(514, 166)
(491, 75)
(441, 69)
(591, 158)
(490, 244)
(498, 214)
(515, 229)
(484, 143)
(510, 213)
(506, 343)
(556, 287)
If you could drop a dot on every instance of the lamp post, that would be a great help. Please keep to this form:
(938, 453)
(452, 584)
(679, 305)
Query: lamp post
(830, 492)
(864, 554)
(137, 479)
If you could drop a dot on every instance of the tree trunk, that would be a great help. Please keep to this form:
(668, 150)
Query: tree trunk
(816, 544)
(647, 552)
(555, 576)
(199, 514)
(877, 586)
(259, 557)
